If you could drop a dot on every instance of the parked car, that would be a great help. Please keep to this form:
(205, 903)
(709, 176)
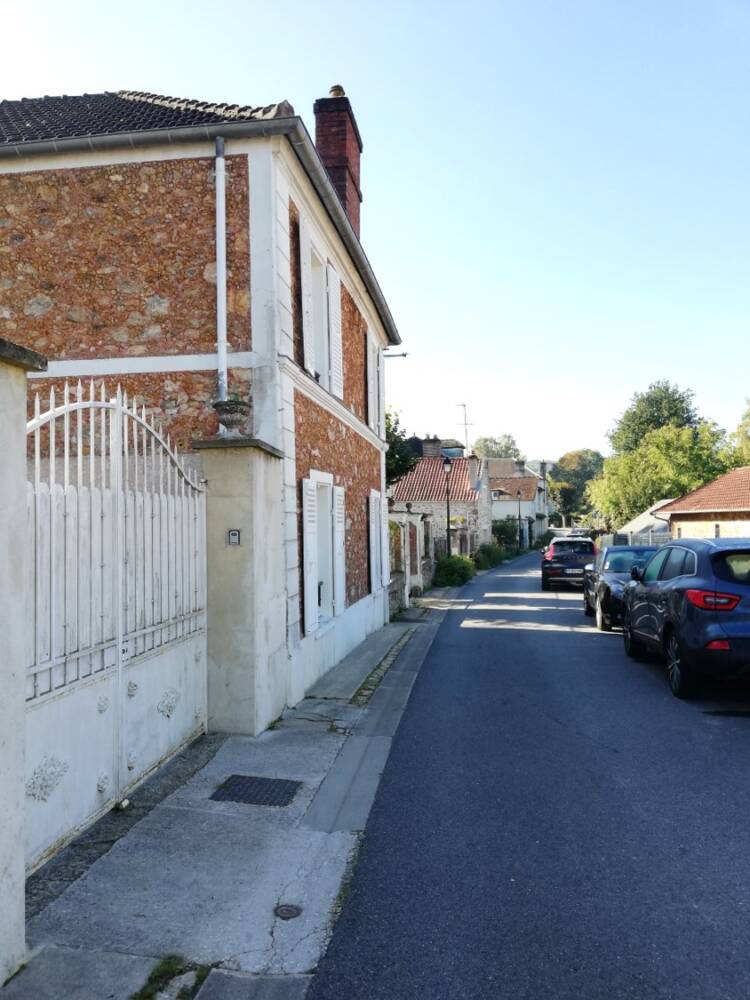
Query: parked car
(564, 559)
(691, 603)
(605, 579)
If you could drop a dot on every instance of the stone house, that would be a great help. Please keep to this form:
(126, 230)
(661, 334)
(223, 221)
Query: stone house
(423, 491)
(720, 509)
(196, 252)
(412, 553)
(509, 477)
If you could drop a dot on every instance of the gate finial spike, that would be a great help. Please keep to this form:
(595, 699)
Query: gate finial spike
(79, 391)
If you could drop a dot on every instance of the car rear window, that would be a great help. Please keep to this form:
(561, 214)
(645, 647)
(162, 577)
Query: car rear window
(733, 566)
(578, 548)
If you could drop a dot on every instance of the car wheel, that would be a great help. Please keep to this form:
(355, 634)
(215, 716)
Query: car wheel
(587, 609)
(682, 681)
(545, 584)
(634, 649)
(601, 622)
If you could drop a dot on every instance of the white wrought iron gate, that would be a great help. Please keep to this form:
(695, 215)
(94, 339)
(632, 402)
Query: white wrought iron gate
(116, 597)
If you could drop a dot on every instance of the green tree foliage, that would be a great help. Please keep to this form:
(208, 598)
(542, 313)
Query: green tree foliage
(503, 446)
(661, 405)
(568, 479)
(741, 438)
(399, 459)
(505, 531)
(669, 462)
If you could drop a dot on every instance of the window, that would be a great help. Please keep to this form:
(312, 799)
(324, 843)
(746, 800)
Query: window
(654, 565)
(374, 387)
(674, 565)
(717, 531)
(679, 532)
(380, 569)
(734, 567)
(321, 336)
(321, 316)
(323, 552)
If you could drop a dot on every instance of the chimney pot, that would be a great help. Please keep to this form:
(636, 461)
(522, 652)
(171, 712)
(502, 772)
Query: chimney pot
(337, 91)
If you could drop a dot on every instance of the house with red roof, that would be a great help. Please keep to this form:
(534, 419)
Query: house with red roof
(428, 489)
(719, 509)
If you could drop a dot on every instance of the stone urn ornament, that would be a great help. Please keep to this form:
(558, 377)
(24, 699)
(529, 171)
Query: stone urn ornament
(233, 415)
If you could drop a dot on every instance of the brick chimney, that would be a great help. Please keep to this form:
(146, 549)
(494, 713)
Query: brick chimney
(339, 145)
(432, 447)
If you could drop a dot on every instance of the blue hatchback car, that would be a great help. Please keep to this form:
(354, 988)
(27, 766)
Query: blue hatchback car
(691, 603)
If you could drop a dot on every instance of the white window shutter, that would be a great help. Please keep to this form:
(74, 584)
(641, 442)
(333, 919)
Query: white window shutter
(310, 553)
(334, 332)
(381, 394)
(308, 328)
(372, 375)
(375, 571)
(339, 550)
(385, 536)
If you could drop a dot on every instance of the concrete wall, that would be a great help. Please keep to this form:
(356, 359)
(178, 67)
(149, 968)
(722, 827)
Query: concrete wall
(731, 525)
(15, 549)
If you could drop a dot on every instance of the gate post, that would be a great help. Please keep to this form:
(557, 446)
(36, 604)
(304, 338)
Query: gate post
(14, 363)
(246, 600)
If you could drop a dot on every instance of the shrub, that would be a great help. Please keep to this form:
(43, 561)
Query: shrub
(452, 571)
(543, 541)
(488, 556)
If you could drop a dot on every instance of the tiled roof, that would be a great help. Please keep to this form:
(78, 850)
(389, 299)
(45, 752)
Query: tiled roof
(511, 484)
(426, 481)
(39, 118)
(727, 493)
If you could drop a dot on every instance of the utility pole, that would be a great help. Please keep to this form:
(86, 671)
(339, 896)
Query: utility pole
(466, 426)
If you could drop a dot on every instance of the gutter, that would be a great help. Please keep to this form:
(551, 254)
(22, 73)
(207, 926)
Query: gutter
(292, 128)
(221, 273)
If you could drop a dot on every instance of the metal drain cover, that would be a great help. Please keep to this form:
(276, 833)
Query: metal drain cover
(287, 911)
(257, 791)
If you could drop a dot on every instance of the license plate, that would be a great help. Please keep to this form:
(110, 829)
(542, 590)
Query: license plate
(573, 572)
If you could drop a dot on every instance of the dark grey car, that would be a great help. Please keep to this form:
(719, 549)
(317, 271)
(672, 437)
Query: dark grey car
(605, 580)
(691, 602)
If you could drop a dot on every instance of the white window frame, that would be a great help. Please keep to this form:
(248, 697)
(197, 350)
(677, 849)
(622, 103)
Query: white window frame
(321, 314)
(313, 519)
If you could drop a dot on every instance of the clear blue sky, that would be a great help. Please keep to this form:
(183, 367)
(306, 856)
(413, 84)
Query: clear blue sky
(556, 194)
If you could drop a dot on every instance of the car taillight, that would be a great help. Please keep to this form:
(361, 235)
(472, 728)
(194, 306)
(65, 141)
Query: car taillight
(721, 644)
(711, 600)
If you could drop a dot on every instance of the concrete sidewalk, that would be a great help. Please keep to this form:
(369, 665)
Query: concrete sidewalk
(204, 879)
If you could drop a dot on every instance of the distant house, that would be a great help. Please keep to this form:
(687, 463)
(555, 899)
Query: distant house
(720, 509)
(424, 490)
(435, 447)
(648, 520)
(509, 478)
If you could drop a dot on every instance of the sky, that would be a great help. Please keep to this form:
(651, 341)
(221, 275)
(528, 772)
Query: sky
(556, 192)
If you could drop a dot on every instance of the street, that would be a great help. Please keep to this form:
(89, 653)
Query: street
(552, 824)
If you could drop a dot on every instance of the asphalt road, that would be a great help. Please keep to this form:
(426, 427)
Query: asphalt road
(552, 824)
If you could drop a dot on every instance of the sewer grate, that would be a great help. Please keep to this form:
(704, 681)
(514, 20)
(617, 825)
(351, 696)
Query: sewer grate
(257, 791)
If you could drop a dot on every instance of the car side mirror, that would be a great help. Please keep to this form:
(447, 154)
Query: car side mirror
(636, 572)
(589, 568)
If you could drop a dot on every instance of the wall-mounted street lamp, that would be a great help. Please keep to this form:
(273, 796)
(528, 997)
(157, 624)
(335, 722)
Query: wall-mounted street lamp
(447, 469)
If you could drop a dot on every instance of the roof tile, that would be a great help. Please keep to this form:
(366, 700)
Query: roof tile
(729, 492)
(426, 482)
(40, 118)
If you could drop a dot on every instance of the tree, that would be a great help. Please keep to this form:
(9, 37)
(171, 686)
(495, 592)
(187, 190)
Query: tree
(503, 446)
(741, 438)
(661, 405)
(569, 477)
(399, 459)
(669, 462)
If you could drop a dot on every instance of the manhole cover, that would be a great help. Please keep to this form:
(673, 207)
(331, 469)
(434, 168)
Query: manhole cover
(287, 911)
(257, 791)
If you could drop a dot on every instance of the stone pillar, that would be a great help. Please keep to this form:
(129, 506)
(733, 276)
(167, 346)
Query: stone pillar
(248, 664)
(14, 363)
